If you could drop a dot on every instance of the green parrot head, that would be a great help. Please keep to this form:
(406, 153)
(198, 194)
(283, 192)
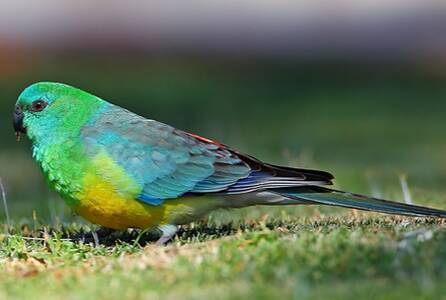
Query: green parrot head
(46, 108)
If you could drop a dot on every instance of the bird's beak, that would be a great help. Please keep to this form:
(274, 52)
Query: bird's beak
(17, 121)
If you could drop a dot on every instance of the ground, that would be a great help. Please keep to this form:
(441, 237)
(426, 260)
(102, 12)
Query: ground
(302, 253)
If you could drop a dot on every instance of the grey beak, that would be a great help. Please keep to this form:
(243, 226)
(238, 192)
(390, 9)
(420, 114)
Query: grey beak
(17, 121)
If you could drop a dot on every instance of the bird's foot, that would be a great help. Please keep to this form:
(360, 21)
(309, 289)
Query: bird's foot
(168, 232)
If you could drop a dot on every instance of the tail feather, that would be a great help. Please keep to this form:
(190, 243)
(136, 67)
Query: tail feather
(326, 196)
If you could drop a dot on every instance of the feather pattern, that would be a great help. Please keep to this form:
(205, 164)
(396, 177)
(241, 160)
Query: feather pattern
(167, 163)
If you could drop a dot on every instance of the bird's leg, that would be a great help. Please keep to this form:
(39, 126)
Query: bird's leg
(168, 232)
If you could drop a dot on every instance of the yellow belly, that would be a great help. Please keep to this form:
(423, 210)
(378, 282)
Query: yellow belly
(101, 204)
(116, 212)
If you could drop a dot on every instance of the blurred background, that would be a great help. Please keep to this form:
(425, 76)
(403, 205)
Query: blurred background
(357, 88)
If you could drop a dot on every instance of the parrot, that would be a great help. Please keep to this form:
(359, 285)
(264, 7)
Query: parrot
(120, 170)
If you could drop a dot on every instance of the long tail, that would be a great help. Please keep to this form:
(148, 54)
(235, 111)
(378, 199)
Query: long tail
(325, 196)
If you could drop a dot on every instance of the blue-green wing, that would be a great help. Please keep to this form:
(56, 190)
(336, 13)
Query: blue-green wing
(165, 162)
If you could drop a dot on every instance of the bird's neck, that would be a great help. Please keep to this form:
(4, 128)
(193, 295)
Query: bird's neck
(63, 164)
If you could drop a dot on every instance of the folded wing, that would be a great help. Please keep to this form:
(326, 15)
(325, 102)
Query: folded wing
(168, 163)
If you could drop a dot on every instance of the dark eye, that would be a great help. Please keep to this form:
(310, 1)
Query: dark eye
(38, 105)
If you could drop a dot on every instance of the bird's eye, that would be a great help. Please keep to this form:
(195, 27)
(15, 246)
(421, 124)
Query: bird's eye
(38, 105)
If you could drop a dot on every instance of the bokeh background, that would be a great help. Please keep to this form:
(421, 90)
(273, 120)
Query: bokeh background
(354, 87)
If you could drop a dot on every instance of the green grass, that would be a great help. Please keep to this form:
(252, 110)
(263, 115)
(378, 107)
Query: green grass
(301, 253)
